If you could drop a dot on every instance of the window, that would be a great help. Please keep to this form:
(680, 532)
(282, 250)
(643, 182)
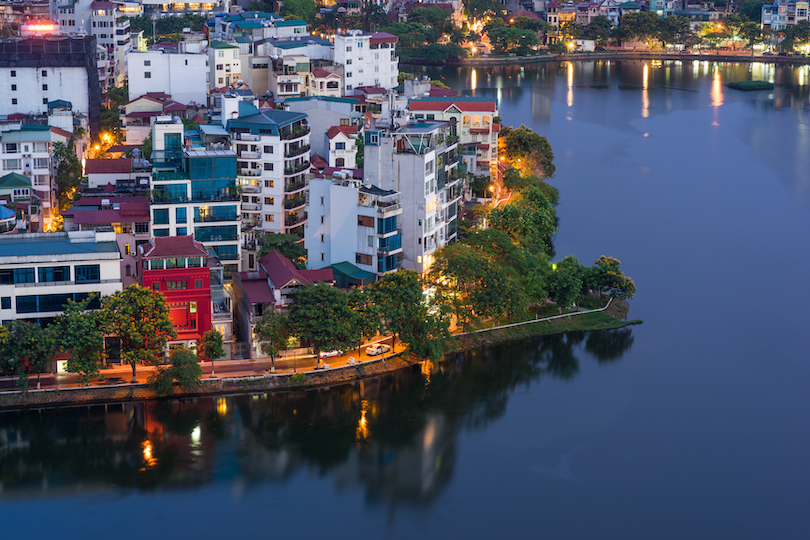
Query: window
(321, 219)
(322, 239)
(322, 256)
(176, 285)
(268, 183)
(155, 286)
(13, 73)
(48, 274)
(348, 87)
(23, 275)
(13, 101)
(186, 62)
(147, 74)
(44, 101)
(161, 216)
(220, 80)
(141, 228)
(269, 200)
(340, 162)
(349, 62)
(182, 231)
(127, 249)
(44, 72)
(41, 163)
(268, 166)
(5, 302)
(13, 87)
(128, 271)
(365, 221)
(180, 215)
(268, 149)
(340, 146)
(348, 49)
(361, 258)
(147, 63)
(44, 87)
(160, 232)
(88, 273)
(269, 218)
(349, 75)
(219, 67)
(370, 241)
(198, 284)
(12, 148)
(11, 164)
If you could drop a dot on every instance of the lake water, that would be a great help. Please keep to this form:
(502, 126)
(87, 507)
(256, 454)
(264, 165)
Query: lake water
(692, 425)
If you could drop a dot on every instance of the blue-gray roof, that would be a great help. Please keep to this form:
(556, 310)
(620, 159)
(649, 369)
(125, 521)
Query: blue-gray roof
(267, 119)
(27, 245)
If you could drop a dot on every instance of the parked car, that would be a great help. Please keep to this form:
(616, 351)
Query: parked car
(783, 53)
(375, 350)
(330, 354)
(600, 49)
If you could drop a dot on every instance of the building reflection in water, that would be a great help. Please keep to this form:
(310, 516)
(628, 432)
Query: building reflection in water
(393, 436)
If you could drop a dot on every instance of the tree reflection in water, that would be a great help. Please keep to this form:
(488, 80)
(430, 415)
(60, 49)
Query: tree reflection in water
(393, 436)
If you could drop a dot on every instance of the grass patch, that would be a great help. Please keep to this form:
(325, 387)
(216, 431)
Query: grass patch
(751, 86)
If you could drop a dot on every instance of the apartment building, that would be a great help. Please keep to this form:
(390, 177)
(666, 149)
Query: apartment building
(478, 131)
(353, 222)
(342, 144)
(43, 70)
(182, 75)
(783, 13)
(322, 113)
(368, 59)
(273, 152)
(40, 272)
(224, 64)
(420, 161)
(194, 192)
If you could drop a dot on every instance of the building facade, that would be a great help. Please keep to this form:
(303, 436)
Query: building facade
(368, 59)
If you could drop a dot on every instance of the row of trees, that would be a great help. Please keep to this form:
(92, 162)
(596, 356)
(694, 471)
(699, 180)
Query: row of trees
(138, 316)
(332, 319)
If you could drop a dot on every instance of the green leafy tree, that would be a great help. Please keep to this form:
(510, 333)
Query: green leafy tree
(183, 368)
(299, 9)
(507, 38)
(273, 330)
(641, 25)
(612, 280)
(598, 30)
(140, 318)
(80, 335)
(68, 173)
(564, 282)
(752, 9)
(29, 347)
(751, 33)
(528, 151)
(572, 30)
(288, 245)
(433, 17)
(375, 15)
(367, 317)
(321, 316)
(210, 347)
(482, 9)
(674, 29)
(530, 221)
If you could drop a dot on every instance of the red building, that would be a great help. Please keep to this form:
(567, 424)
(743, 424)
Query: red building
(177, 266)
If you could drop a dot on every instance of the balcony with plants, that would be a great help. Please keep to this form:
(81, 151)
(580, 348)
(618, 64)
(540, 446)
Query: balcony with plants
(294, 151)
(295, 131)
(296, 168)
(296, 184)
(295, 202)
(295, 219)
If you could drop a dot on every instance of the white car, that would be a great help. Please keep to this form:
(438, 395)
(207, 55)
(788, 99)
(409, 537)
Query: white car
(330, 354)
(374, 350)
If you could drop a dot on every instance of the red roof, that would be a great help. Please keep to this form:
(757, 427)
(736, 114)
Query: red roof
(327, 172)
(527, 14)
(348, 131)
(174, 246)
(321, 73)
(145, 96)
(443, 105)
(174, 106)
(435, 91)
(130, 209)
(17, 116)
(256, 288)
(371, 89)
(119, 148)
(144, 114)
(496, 128)
(383, 37)
(107, 166)
(61, 132)
(282, 271)
(483, 146)
(198, 119)
(317, 161)
(159, 95)
(479, 130)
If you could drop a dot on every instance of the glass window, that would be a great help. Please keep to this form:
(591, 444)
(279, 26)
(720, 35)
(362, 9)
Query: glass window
(88, 273)
(141, 228)
(198, 284)
(24, 275)
(161, 232)
(182, 231)
(180, 215)
(5, 302)
(54, 273)
(155, 286)
(160, 216)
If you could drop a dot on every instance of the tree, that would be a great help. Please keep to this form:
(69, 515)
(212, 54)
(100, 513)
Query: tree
(299, 9)
(367, 317)
(752, 9)
(530, 221)
(140, 318)
(598, 30)
(481, 9)
(506, 38)
(529, 151)
(321, 316)
(612, 281)
(273, 330)
(564, 283)
(751, 33)
(673, 30)
(81, 336)
(210, 347)
(572, 30)
(30, 347)
(433, 17)
(641, 25)
(288, 245)
(183, 369)
(68, 173)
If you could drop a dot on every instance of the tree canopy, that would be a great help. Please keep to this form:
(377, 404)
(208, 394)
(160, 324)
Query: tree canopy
(288, 245)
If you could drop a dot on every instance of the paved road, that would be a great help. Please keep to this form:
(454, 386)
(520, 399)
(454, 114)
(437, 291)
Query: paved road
(230, 368)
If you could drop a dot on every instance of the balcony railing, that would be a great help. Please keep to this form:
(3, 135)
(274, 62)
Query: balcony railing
(249, 155)
(296, 169)
(295, 219)
(295, 202)
(294, 133)
(251, 207)
(251, 189)
(295, 186)
(388, 209)
(292, 152)
(249, 137)
(250, 172)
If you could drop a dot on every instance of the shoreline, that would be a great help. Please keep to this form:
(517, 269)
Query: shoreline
(609, 55)
(608, 319)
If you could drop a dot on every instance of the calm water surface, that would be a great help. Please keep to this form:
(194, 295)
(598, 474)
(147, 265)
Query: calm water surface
(694, 424)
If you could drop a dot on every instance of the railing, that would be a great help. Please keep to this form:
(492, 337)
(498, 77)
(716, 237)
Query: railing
(251, 207)
(250, 172)
(295, 202)
(249, 155)
(388, 209)
(294, 219)
(297, 169)
(292, 152)
(249, 137)
(251, 189)
(215, 219)
(296, 186)
(62, 283)
(294, 133)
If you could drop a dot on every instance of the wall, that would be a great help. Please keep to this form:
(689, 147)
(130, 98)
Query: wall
(183, 76)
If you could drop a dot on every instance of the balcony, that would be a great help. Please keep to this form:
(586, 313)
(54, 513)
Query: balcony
(249, 137)
(249, 155)
(250, 172)
(294, 133)
(296, 202)
(292, 152)
(292, 187)
(385, 210)
(251, 207)
(301, 167)
(251, 189)
(294, 219)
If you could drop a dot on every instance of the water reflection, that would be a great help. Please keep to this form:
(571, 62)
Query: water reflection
(393, 436)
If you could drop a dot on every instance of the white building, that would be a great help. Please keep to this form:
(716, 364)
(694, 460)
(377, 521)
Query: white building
(368, 59)
(418, 160)
(181, 75)
(224, 64)
(353, 222)
(323, 113)
(342, 144)
(39, 272)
